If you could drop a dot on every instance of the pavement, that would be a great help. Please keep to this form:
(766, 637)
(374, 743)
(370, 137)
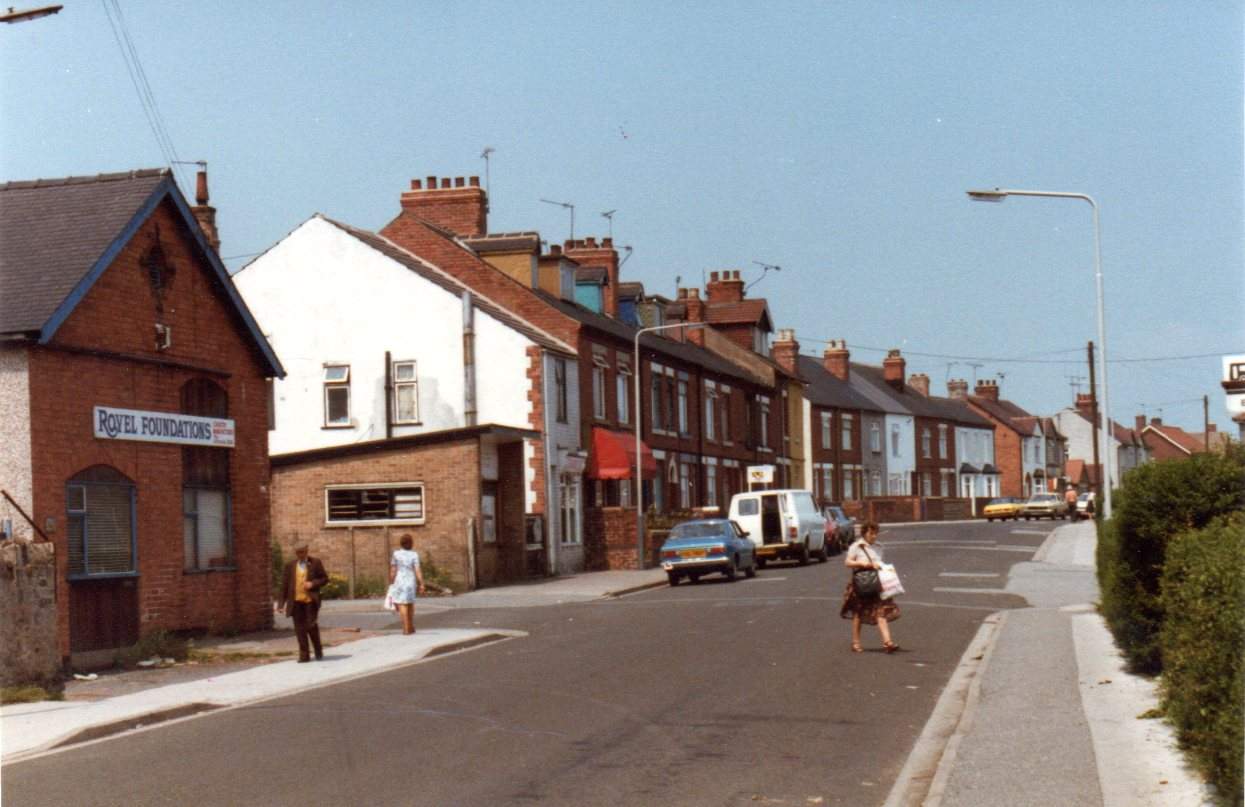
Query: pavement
(1040, 710)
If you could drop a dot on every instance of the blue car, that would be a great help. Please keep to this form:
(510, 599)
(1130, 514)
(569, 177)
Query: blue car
(705, 546)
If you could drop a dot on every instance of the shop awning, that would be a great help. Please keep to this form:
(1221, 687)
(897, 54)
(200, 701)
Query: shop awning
(613, 456)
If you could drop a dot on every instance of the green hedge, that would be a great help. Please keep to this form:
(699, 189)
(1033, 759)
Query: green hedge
(1157, 501)
(1202, 636)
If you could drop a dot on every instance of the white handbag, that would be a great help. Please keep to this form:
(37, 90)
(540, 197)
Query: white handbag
(891, 587)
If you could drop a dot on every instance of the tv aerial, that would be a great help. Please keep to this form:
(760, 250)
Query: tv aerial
(609, 216)
(765, 269)
(569, 207)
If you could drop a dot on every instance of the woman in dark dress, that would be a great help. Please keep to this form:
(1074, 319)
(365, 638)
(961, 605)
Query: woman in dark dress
(865, 554)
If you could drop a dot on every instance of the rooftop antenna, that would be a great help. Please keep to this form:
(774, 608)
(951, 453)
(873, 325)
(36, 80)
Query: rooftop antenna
(950, 364)
(569, 207)
(609, 216)
(1075, 382)
(765, 268)
(678, 280)
(1002, 375)
(975, 365)
(627, 250)
(484, 155)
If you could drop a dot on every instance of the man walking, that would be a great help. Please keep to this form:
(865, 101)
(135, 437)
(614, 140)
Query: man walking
(1069, 497)
(300, 599)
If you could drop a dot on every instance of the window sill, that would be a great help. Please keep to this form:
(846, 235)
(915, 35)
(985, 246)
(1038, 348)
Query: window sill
(384, 522)
(403, 423)
(210, 570)
(338, 426)
(77, 578)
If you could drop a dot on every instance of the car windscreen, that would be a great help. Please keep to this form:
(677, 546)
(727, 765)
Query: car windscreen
(702, 529)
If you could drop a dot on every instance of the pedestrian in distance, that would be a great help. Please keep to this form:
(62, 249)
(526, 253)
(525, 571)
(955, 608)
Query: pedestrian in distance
(406, 582)
(871, 608)
(1069, 496)
(300, 600)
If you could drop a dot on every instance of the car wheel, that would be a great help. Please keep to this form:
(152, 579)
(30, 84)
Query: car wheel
(673, 578)
(761, 563)
(695, 578)
(731, 571)
(823, 554)
(751, 571)
(990, 520)
(803, 554)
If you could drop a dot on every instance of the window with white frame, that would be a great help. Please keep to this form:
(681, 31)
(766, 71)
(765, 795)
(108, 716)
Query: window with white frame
(559, 393)
(849, 483)
(711, 406)
(683, 424)
(685, 485)
(827, 420)
(827, 482)
(942, 441)
(927, 487)
(763, 421)
(568, 493)
(724, 419)
(655, 407)
(848, 427)
(599, 365)
(925, 443)
(381, 503)
(623, 388)
(875, 483)
(405, 392)
(894, 439)
(875, 438)
(711, 485)
(206, 529)
(488, 513)
(337, 395)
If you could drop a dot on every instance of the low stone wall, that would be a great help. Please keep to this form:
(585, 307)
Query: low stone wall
(906, 509)
(29, 652)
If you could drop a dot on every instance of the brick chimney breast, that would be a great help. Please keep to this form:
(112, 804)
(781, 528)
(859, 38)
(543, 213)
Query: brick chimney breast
(455, 206)
(1140, 422)
(204, 213)
(785, 351)
(957, 389)
(1085, 404)
(988, 389)
(920, 383)
(893, 369)
(724, 287)
(837, 360)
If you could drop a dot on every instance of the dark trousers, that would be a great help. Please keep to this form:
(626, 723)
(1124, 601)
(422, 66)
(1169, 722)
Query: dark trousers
(307, 626)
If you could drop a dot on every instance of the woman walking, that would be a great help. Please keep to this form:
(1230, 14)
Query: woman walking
(405, 582)
(866, 554)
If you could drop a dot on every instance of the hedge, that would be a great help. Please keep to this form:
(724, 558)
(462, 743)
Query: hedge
(1202, 636)
(1157, 501)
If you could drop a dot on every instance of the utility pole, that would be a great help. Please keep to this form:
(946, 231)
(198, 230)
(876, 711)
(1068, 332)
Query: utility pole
(1206, 422)
(1093, 400)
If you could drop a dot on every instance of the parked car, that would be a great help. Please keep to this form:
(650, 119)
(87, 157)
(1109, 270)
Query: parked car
(781, 524)
(840, 528)
(1003, 508)
(706, 546)
(1085, 505)
(1045, 505)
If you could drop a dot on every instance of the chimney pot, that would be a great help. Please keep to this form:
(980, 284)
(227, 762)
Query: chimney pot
(459, 182)
(713, 277)
(417, 184)
(201, 188)
(693, 293)
(608, 243)
(786, 334)
(432, 183)
(681, 294)
(445, 182)
(555, 249)
(473, 182)
(592, 242)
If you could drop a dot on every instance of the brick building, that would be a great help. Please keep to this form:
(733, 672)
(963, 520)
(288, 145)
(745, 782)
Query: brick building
(134, 438)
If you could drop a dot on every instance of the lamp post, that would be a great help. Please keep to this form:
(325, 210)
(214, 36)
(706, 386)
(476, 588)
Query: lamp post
(639, 421)
(998, 195)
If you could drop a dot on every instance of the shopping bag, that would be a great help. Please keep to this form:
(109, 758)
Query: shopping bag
(389, 606)
(891, 587)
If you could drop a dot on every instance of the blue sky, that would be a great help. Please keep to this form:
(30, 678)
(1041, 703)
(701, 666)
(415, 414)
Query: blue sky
(834, 140)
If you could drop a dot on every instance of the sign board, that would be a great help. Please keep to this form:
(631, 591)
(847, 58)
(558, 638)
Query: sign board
(574, 463)
(162, 427)
(1234, 384)
(760, 474)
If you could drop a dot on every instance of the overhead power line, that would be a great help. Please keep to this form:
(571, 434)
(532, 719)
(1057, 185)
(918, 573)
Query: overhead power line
(1022, 360)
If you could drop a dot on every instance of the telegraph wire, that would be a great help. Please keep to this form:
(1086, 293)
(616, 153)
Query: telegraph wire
(1019, 360)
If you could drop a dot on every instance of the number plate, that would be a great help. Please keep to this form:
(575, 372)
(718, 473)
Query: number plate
(691, 553)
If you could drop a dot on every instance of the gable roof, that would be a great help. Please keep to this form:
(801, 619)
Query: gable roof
(826, 389)
(58, 236)
(915, 403)
(451, 284)
(1006, 413)
(1176, 436)
(745, 312)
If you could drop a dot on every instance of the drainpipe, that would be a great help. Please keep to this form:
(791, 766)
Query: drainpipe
(388, 395)
(469, 361)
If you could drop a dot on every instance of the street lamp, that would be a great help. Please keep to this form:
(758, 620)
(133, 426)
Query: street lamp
(639, 420)
(998, 195)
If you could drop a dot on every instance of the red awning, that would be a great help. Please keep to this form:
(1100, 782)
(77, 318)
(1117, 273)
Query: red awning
(613, 456)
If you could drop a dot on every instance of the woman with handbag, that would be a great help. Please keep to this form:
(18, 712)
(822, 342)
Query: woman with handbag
(406, 582)
(862, 601)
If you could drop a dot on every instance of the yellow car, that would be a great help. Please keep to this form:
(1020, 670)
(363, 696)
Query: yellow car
(1003, 508)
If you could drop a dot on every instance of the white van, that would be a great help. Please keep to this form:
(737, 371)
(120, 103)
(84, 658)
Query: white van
(781, 524)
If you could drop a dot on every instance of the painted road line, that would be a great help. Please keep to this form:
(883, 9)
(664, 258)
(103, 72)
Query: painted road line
(1030, 532)
(967, 574)
(952, 590)
(1029, 549)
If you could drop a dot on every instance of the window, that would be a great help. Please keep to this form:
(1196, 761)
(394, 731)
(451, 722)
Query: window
(945, 486)
(683, 425)
(724, 419)
(405, 392)
(711, 405)
(926, 484)
(711, 485)
(99, 516)
(656, 408)
(925, 443)
(849, 483)
(623, 383)
(784, 413)
(568, 494)
(848, 428)
(894, 439)
(559, 383)
(685, 485)
(827, 483)
(206, 528)
(599, 365)
(488, 513)
(875, 438)
(942, 441)
(763, 421)
(380, 503)
(826, 421)
(875, 480)
(337, 395)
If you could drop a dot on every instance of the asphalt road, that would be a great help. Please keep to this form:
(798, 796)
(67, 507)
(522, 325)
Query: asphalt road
(711, 694)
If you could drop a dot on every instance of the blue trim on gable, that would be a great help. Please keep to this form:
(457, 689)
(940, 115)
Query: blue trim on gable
(166, 188)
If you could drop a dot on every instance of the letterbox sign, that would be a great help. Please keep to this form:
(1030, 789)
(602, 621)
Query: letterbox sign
(162, 427)
(760, 474)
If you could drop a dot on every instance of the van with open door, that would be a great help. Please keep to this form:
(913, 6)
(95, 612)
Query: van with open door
(781, 524)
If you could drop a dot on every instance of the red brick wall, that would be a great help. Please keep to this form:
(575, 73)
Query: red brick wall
(609, 539)
(535, 394)
(118, 314)
(450, 473)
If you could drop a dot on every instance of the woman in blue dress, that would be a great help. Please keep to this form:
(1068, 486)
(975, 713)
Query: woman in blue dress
(406, 582)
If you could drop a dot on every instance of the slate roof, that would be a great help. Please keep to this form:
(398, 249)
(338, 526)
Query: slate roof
(57, 236)
(1121, 434)
(913, 402)
(684, 351)
(750, 312)
(825, 389)
(449, 283)
(592, 274)
(1006, 412)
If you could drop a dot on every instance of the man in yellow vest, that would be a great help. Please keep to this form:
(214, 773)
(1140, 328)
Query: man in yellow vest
(300, 599)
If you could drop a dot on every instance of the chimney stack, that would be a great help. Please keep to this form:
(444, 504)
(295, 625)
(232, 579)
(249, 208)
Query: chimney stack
(204, 213)
(458, 205)
(988, 389)
(1156, 422)
(1140, 422)
(725, 287)
(920, 383)
(893, 369)
(587, 252)
(695, 312)
(785, 351)
(837, 360)
(1085, 404)
(957, 389)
